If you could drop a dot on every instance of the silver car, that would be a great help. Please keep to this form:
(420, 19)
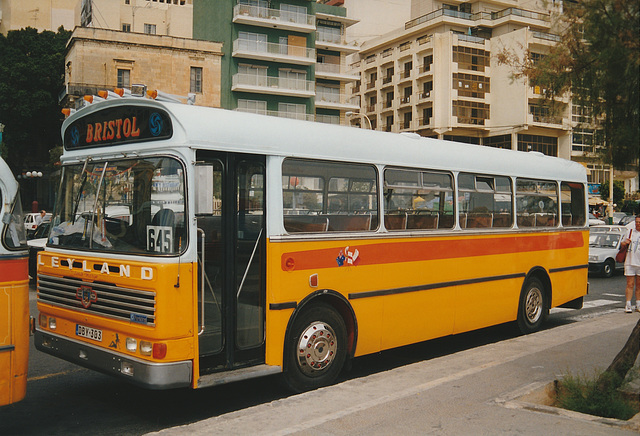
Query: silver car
(604, 243)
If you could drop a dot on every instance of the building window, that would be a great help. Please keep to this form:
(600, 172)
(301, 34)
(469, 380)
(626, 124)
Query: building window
(469, 58)
(196, 79)
(291, 110)
(253, 106)
(124, 78)
(127, 2)
(470, 112)
(252, 41)
(470, 85)
(126, 27)
(290, 79)
(252, 75)
(149, 29)
(500, 141)
(293, 13)
(544, 144)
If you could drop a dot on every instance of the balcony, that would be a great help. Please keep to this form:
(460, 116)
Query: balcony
(273, 18)
(330, 41)
(272, 85)
(280, 114)
(331, 100)
(268, 51)
(335, 72)
(488, 19)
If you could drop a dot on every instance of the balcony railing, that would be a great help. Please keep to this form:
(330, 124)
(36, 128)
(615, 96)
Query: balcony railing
(273, 17)
(546, 36)
(268, 50)
(333, 99)
(477, 16)
(280, 114)
(273, 83)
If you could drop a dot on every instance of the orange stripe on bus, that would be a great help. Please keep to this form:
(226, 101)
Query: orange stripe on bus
(14, 269)
(413, 251)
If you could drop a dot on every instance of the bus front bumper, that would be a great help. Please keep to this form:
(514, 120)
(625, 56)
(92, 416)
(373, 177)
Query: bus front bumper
(149, 375)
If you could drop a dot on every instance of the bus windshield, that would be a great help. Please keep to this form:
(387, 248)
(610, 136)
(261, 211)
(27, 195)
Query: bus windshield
(129, 206)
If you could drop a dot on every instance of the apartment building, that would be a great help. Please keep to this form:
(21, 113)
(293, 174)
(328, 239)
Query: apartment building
(437, 75)
(283, 58)
(102, 59)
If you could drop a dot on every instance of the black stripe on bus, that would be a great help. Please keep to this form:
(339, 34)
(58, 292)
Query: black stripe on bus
(569, 268)
(7, 348)
(283, 306)
(427, 287)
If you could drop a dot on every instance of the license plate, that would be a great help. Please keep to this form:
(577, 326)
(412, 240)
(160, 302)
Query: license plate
(89, 333)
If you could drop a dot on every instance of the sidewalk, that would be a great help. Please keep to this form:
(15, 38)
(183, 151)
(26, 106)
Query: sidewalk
(473, 392)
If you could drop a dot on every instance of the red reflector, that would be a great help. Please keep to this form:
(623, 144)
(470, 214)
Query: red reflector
(159, 351)
(313, 280)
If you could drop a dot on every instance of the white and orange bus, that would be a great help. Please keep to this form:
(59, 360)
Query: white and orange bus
(14, 292)
(195, 246)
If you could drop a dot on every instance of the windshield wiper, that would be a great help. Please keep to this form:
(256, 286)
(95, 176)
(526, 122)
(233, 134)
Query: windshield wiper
(95, 204)
(77, 202)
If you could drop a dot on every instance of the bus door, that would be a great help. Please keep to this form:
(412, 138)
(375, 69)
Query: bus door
(230, 216)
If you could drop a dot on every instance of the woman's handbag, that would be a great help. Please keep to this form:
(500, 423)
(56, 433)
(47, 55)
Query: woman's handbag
(622, 253)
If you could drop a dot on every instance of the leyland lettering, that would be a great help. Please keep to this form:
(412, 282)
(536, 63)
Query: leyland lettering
(146, 273)
(108, 130)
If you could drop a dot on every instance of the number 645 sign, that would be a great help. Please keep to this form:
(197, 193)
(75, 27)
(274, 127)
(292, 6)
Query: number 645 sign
(160, 239)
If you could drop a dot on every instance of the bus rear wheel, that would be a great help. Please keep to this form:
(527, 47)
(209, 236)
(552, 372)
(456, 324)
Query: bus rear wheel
(317, 348)
(533, 307)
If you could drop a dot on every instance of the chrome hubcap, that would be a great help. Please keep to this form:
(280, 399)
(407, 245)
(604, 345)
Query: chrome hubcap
(316, 348)
(533, 305)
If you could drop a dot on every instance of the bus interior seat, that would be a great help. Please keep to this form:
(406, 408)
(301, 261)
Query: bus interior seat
(395, 221)
(349, 222)
(305, 223)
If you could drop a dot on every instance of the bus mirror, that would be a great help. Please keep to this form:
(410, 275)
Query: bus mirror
(204, 189)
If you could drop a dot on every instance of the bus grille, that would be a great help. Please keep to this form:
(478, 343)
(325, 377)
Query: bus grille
(105, 299)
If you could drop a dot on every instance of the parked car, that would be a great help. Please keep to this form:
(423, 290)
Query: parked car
(31, 222)
(626, 220)
(36, 245)
(604, 243)
(595, 221)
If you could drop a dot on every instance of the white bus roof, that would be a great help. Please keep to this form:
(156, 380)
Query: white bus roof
(225, 130)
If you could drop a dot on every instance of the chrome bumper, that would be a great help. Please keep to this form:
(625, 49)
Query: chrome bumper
(149, 375)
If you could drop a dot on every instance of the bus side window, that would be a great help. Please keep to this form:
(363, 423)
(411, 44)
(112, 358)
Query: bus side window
(323, 196)
(484, 201)
(572, 206)
(537, 203)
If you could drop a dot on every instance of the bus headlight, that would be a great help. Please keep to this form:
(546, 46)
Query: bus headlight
(52, 323)
(146, 348)
(132, 345)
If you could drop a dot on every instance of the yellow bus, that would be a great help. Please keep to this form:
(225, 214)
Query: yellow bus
(14, 292)
(194, 246)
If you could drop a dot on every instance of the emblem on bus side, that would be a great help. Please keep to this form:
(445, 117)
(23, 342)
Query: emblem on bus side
(86, 295)
(348, 257)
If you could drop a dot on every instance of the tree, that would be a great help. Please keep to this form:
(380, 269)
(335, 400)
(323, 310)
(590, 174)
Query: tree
(618, 191)
(31, 77)
(597, 61)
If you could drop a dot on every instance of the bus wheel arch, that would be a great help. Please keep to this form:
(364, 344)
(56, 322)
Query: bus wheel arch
(326, 313)
(535, 301)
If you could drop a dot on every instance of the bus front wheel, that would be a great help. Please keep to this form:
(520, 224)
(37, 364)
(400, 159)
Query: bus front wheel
(533, 308)
(317, 348)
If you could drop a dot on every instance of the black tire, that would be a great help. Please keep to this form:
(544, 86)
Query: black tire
(533, 308)
(608, 268)
(316, 349)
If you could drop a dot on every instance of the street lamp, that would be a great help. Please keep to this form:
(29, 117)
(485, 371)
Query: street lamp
(351, 113)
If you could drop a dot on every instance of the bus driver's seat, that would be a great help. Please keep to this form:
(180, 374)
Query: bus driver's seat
(165, 218)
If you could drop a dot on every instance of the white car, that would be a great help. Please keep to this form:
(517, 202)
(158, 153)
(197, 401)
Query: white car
(31, 221)
(595, 221)
(604, 243)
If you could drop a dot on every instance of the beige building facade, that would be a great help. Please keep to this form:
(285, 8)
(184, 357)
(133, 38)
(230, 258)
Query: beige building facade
(156, 17)
(41, 15)
(438, 76)
(99, 59)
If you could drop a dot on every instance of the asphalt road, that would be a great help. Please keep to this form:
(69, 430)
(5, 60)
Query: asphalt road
(66, 399)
